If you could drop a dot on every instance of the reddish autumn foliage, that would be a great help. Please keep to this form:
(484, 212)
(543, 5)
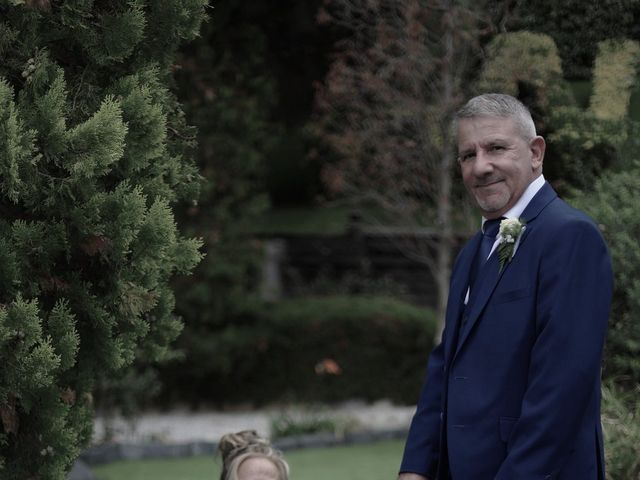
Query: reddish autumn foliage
(386, 108)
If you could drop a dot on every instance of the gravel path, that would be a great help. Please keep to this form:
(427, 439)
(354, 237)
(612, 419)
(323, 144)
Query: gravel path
(180, 426)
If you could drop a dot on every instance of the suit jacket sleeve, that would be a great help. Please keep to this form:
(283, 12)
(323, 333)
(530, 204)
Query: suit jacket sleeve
(422, 447)
(574, 288)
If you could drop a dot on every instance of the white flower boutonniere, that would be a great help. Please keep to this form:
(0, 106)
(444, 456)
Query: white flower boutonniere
(509, 238)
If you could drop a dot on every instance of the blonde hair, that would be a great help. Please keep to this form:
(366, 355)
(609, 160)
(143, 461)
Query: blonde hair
(235, 448)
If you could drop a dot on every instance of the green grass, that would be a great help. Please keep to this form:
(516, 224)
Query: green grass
(303, 220)
(327, 220)
(376, 461)
(581, 90)
(316, 220)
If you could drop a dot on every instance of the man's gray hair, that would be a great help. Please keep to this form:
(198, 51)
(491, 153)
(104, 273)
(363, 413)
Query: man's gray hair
(499, 105)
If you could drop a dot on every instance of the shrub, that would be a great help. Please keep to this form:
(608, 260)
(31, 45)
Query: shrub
(580, 147)
(611, 202)
(621, 423)
(290, 424)
(613, 78)
(316, 349)
(521, 57)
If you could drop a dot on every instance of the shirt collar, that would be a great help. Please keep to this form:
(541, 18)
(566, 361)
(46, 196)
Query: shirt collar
(525, 198)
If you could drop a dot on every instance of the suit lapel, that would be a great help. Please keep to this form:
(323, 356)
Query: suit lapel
(457, 293)
(490, 274)
(544, 196)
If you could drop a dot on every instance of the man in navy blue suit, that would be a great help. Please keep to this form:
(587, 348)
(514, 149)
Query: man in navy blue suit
(513, 390)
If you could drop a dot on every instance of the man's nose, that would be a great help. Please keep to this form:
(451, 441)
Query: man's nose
(483, 163)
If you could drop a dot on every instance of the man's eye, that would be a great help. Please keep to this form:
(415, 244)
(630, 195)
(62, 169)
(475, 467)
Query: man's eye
(496, 148)
(467, 156)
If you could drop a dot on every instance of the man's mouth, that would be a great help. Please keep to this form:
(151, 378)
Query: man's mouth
(488, 184)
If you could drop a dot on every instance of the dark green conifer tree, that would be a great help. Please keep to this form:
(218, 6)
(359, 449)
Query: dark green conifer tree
(94, 151)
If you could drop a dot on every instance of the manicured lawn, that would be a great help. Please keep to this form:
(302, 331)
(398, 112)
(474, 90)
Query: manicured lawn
(333, 220)
(320, 220)
(376, 461)
(302, 220)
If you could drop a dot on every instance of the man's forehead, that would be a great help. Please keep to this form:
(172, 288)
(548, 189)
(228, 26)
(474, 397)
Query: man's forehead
(483, 140)
(476, 129)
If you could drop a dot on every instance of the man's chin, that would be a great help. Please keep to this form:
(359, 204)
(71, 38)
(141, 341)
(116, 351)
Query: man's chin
(490, 208)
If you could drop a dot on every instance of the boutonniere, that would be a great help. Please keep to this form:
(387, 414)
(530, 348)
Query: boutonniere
(509, 238)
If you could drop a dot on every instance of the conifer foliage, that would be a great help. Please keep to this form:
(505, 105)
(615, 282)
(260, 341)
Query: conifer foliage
(94, 151)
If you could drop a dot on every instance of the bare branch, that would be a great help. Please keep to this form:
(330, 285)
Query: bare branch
(386, 108)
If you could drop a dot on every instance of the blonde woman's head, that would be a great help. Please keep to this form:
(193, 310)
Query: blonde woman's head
(247, 456)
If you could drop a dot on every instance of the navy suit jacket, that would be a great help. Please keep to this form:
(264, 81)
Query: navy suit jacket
(514, 394)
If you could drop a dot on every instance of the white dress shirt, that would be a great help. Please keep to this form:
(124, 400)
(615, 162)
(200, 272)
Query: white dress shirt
(515, 212)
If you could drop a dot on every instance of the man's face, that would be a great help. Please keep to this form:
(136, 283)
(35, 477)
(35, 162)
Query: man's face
(497, 163)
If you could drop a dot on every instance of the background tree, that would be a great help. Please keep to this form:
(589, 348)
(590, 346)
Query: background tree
(386, 108)
(247, 84)
(578, 26)
(586, 142)
(229, 94)
(94, 152)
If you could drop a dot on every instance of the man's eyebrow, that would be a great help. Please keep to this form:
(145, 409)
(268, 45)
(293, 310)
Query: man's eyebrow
(499, 138)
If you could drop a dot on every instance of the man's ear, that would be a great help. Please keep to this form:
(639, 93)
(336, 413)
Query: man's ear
(538, 147)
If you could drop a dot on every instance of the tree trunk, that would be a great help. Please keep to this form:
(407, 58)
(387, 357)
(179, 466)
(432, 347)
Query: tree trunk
(445, 243)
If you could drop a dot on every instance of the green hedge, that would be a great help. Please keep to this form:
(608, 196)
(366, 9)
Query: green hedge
(621, 423)
(274, 353)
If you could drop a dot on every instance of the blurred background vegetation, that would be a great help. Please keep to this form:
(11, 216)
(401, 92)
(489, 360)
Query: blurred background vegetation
(284, 96)
(330, 207)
